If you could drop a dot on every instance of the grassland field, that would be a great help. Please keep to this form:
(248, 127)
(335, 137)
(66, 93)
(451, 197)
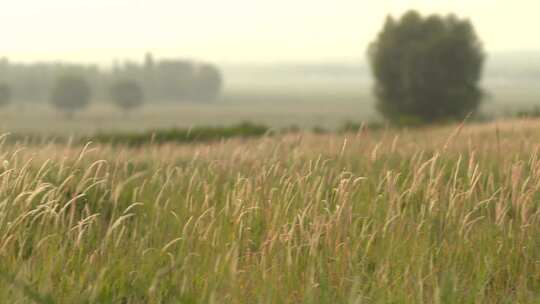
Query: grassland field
(440, 215)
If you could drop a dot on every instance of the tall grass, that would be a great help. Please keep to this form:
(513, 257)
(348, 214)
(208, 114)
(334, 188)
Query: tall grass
(408, 216)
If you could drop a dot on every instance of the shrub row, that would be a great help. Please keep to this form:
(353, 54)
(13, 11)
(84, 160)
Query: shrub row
(179, 135)
(196, 134)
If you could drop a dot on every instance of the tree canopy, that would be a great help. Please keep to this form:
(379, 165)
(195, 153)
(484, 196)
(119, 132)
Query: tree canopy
(5, 94)
(427, 68)
(71, 93)
(165, 80)
(127, 94)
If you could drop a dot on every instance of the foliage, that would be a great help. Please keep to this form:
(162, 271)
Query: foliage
(161, 80)
(427, 69)
(127, 94)
(5, 94)
(319, 130)
(207, 84)
(353, 127)
(71, 93)
(531, 113)
(196, 134)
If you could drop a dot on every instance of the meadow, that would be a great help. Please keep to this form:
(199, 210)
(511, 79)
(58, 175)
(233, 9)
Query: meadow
(442, 215)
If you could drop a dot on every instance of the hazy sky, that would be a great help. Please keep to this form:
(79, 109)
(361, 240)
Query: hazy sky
(236, 30)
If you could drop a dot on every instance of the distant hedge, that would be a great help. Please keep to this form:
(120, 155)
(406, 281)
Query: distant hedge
(188, 135)
(197, 134)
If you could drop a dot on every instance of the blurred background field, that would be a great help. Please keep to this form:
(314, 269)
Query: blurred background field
(303, 95)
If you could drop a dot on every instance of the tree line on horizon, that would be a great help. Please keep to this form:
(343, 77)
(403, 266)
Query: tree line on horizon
(171, 80)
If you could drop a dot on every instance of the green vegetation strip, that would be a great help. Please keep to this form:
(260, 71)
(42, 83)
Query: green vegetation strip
(187, 135)
(199, 134)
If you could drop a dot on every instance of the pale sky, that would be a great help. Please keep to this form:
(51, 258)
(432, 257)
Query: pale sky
(236, 30)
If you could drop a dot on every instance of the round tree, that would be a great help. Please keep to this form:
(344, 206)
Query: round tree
(70, 94)
(207, 83)
(127, 95)
(5, 95)
(427, 68)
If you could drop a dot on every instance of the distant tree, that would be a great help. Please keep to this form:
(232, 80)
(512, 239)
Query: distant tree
(149, 62)
(207, 84)
(5, 94)
(427, 69)
(70, 94)
(172, 80)
(127, 95)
